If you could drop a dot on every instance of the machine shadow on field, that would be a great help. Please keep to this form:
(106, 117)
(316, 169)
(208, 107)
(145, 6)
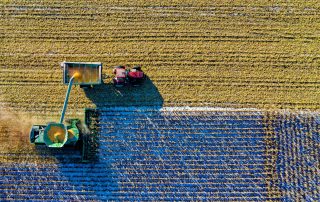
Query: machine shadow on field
(67, 165)
(103, 95)
(106, 94)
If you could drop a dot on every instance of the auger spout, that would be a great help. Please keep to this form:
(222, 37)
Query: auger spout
(76, 75)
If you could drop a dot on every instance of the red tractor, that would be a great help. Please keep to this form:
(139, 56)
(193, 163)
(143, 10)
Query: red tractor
(123, 76)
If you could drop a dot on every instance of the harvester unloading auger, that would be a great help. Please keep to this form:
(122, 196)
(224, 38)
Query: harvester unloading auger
(57, 135)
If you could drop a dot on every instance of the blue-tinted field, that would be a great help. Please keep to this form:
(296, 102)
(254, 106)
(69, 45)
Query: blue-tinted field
(149, 153)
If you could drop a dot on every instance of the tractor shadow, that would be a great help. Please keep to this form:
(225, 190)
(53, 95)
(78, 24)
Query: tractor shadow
(106, 95)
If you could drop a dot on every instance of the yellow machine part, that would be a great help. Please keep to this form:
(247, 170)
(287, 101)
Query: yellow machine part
(70, 134)
(77, 75)
(88, 75)
(57, 134)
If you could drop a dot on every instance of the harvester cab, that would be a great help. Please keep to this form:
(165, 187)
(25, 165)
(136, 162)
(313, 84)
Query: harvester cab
(58, 134)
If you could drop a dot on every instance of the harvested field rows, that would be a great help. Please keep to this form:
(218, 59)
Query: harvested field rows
(298, 145)
(149, 153)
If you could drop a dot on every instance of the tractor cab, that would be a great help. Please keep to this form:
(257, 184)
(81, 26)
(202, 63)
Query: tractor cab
(136, 76)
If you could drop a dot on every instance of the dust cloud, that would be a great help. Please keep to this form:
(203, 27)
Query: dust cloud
(14, 131)
(15, 122)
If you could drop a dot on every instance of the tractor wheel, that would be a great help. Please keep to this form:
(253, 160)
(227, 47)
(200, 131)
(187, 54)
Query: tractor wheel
(118, 83)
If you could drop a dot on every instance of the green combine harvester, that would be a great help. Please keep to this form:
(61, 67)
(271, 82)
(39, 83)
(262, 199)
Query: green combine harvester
(57, 135)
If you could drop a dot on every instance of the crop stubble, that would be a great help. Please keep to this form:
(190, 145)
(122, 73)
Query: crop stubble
(224, 53)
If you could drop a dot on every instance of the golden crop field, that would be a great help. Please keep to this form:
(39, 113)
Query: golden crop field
(221, 53)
